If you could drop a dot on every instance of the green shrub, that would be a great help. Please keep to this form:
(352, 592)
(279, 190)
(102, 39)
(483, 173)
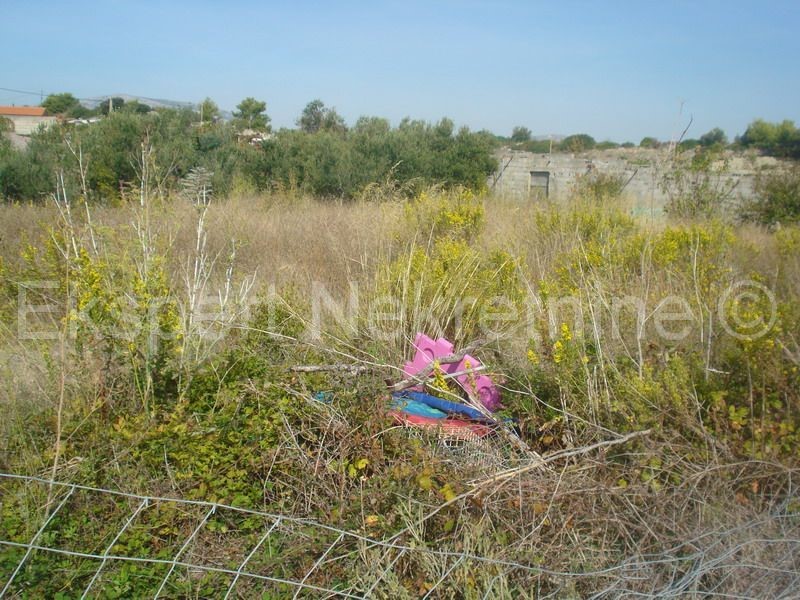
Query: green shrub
(777, 199)
(442, 284)
(696, 186)
(577, 143)
(777, 139)
(598, 187)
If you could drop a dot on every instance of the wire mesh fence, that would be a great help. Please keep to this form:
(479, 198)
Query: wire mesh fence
(232, 551)
(110, 543)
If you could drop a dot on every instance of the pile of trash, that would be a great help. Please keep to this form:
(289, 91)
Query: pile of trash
(466, 415)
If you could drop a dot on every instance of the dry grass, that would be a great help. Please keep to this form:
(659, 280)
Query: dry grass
(286, 241)
(298, 242)
(612, 523)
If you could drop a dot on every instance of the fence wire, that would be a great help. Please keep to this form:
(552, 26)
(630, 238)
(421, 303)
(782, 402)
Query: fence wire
(190, 555)
(296, 557)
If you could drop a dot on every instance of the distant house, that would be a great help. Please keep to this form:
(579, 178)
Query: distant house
(26, 119)
(253, 137)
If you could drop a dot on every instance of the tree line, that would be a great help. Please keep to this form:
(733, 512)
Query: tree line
(781, 140)
(323, 156)
(101, 157)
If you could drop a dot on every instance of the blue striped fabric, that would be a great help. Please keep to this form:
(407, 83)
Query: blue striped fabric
(439, 404)
(417, 408)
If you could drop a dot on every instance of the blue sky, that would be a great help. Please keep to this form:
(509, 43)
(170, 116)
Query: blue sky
(617, 70)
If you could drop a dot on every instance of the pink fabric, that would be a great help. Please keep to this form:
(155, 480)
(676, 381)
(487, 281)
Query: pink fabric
(429, 350)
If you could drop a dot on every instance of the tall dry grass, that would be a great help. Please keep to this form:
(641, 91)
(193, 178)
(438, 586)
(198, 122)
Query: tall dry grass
(683, 511)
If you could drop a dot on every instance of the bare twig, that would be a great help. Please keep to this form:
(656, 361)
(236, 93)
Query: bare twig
(348, 368)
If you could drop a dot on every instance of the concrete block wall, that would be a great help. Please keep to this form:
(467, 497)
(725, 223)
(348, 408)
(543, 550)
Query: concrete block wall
(642, 171)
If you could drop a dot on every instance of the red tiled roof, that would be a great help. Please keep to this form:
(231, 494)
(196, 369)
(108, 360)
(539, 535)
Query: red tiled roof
(22, 111)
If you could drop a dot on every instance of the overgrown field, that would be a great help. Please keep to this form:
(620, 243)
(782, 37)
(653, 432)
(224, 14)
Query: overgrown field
(153, 348)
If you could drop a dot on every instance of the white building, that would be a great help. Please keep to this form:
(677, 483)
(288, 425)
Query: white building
(26, 119)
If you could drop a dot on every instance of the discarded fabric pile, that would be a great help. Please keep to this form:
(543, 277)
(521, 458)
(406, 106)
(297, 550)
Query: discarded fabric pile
(413, 407)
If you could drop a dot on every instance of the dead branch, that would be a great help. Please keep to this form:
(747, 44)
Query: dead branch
(503, 476)
(422, 378)
(347, 368)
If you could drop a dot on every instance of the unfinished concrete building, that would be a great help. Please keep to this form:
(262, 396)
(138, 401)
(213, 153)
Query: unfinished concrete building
(530, 177)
